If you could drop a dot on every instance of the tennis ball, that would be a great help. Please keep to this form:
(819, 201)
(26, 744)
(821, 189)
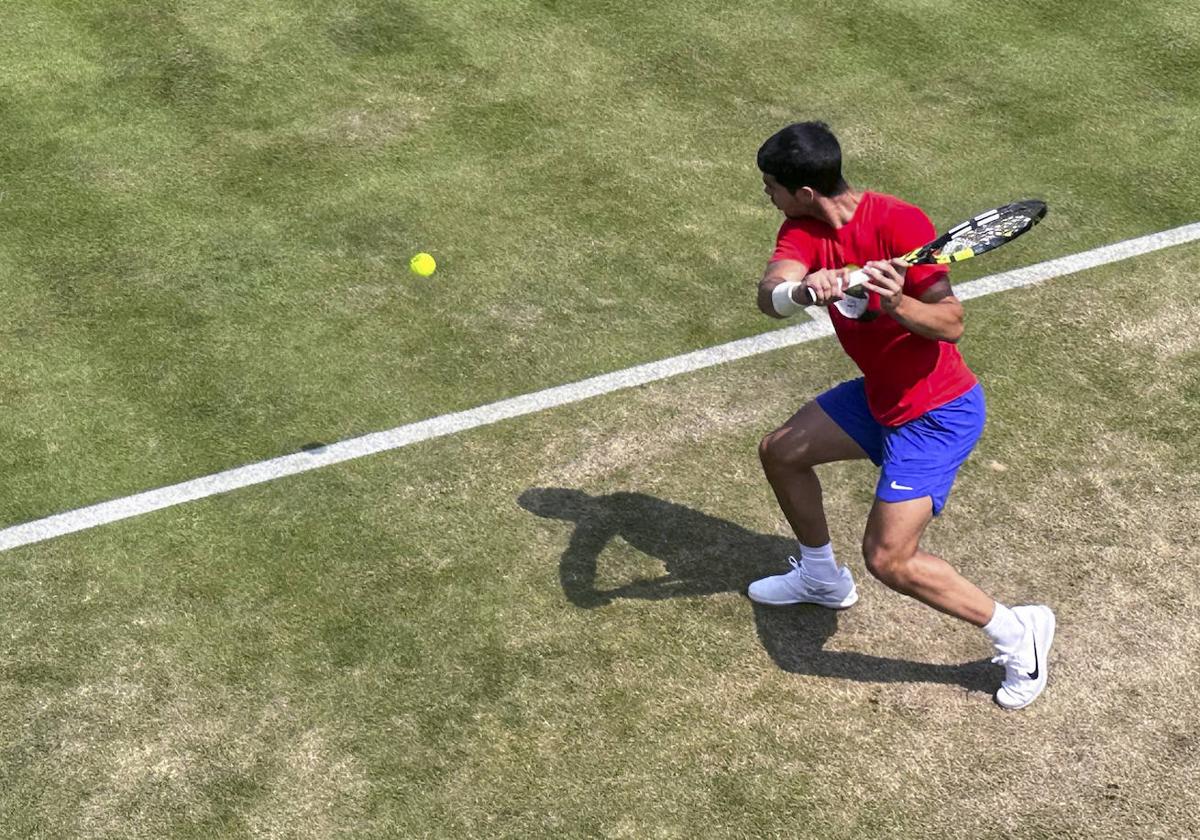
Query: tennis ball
(422, 264)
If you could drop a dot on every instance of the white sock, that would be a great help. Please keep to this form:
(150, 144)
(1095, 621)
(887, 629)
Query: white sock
(819, 562)
(1005, 629)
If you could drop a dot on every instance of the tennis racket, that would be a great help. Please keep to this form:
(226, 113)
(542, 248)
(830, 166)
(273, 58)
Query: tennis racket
(975, 236)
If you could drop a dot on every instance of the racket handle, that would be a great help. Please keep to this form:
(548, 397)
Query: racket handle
(854, 283)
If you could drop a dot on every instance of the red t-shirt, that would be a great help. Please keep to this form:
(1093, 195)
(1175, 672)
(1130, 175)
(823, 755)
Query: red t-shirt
(906, 374)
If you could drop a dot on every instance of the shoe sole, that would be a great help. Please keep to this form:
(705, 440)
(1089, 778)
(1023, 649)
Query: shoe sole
(844, 604)
(1045, 652)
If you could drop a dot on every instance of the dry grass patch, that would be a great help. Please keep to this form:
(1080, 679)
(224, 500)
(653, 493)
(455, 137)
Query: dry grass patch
(317, 792)
(377, 122)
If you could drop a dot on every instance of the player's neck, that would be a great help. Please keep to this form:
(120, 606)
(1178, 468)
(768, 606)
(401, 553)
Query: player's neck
(837, 210)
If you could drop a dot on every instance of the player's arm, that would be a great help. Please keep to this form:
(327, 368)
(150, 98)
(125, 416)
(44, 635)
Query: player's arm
(936, 313)
(777, 273)
(774, 298)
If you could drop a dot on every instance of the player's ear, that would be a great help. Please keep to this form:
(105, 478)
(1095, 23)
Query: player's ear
(806, 194)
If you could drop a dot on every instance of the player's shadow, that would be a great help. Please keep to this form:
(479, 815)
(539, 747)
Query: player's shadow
(705, 555)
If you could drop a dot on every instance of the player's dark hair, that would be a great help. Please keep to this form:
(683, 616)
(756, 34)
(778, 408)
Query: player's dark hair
(804, 155)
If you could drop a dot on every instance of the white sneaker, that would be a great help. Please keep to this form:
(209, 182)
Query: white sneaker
(796, 587)
(1025, 670)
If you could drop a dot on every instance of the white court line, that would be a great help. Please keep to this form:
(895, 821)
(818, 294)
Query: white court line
(448, 424)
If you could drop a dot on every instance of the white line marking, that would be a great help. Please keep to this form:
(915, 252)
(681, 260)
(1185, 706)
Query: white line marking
(448, 424)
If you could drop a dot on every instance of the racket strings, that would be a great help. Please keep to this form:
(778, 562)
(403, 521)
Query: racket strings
(981, 237)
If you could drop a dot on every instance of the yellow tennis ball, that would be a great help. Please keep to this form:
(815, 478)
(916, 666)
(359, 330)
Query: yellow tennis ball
(422, 264)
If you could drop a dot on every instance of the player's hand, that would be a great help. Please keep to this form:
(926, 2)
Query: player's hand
(886, 279)
(826, 285)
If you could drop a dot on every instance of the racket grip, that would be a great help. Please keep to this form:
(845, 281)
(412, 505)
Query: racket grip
(854, 282)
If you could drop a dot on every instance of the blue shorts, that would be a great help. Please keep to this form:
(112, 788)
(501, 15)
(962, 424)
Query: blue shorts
(918, 458)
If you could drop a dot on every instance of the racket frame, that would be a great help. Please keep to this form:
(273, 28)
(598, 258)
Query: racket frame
(1032, 210)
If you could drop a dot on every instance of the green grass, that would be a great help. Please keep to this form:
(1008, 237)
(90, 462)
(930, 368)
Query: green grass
(537, 628)
(209, 208)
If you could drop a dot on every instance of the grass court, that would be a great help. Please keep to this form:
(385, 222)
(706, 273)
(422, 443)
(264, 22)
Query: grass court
(538, 628)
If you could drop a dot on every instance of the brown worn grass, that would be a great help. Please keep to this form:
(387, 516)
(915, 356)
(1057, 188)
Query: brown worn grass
(1069, 503)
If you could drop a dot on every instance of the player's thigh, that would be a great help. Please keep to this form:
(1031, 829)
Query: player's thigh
(809, 437)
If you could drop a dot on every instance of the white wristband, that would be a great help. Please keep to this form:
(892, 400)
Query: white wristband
(781, 299)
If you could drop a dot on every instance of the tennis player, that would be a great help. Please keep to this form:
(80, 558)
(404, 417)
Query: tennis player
(916, 411)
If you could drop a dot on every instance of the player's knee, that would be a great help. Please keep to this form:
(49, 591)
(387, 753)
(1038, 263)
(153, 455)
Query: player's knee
(768, 451)
(778, 453)
(888, 562)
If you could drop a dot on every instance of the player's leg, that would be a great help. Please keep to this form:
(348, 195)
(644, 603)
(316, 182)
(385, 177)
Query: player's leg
(1021, 635)
(892, 554)
(788, 454)
(836, 426)
(920, 462)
